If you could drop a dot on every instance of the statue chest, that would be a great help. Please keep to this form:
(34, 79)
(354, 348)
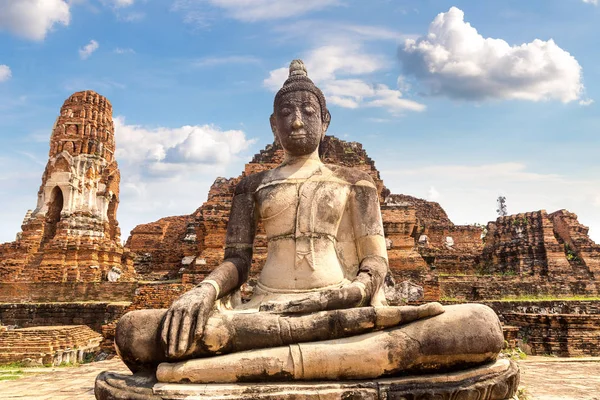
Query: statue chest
(305, 208)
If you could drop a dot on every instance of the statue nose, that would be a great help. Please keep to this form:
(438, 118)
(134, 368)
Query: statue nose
(297, 124)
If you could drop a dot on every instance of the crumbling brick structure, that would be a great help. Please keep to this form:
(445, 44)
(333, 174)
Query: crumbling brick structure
(73, 233)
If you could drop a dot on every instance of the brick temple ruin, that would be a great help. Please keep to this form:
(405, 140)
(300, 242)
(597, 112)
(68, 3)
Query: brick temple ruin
(73, 233)
(68, 267)
(71, 237)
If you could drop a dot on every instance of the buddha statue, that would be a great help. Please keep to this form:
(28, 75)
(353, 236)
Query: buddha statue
(318, 312)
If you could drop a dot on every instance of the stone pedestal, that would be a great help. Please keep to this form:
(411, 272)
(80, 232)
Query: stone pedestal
(495, 381)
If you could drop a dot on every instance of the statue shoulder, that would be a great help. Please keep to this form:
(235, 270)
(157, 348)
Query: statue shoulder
(249, 183)
(352, 176)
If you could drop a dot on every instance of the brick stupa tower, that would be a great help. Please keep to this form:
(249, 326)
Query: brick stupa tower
(73, 233)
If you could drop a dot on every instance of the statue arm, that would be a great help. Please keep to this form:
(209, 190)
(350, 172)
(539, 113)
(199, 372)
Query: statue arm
(369, 238)
(241, 229)
(185, 320)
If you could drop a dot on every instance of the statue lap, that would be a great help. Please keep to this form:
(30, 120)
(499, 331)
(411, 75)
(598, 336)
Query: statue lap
(451, 342)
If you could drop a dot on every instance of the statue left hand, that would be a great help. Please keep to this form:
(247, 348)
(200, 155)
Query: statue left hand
(348, 296)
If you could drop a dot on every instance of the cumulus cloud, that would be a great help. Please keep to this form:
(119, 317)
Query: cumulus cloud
(88, 49)
(252, 10)
(168, 171)
(5, 73)
(594, 2)
(33, 19)
(174, 150)
(337, 69)
(454, 60)
(586, 102)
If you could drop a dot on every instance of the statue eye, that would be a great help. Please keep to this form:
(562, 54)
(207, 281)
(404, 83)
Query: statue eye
(309, 110)
(285, 111)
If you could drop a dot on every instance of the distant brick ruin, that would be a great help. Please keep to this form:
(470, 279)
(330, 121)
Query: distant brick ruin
(73, 233)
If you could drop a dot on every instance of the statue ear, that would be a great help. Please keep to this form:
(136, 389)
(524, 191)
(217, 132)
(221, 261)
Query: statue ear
(326, 122)
(274, 127)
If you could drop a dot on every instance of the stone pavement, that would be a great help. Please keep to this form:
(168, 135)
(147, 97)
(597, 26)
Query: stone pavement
(544, 378)
(58, 383)
(556, 378)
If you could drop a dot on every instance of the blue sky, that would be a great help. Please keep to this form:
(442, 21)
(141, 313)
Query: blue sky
(456, 101)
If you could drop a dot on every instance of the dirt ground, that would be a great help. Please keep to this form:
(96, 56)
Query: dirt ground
(543, 378)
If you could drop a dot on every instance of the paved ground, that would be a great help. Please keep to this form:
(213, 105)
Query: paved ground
(554, 378)
(544, 378)
(59, 383)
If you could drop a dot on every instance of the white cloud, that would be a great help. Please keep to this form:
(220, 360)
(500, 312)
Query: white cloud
(470, 191)
(33, 19)
(594, 2)
(215, 61)
(586, 102)
(88, 49)
(168, 171)
(454, 60)
(337, 69)
(126, 50)
(177, 149)
(252, 10)
(317, 30)
(432, 194)
(5, 73)
(119, 3)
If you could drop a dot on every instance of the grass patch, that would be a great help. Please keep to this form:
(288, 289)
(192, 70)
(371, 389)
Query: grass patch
(11, 366)
(522, 394)
(10, 377)
(515, 354)
(546, 298)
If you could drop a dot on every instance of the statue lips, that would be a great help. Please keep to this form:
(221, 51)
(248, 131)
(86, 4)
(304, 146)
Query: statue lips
(298, 134)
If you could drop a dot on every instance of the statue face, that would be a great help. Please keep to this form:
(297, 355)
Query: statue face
(297, 123)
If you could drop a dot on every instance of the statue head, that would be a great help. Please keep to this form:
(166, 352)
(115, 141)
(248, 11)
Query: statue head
(300, 117)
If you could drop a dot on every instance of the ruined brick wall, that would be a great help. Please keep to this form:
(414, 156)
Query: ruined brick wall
(428, 213)
(553, 307)
(551, 248)
(582, 253)
(45, 292)
(487, 287)
(92, 314)
(157, 295)
(48, 345)
(564, 335)
(161, 247)
(73, 233)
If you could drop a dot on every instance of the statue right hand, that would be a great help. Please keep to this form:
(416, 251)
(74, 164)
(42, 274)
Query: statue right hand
(184, 322)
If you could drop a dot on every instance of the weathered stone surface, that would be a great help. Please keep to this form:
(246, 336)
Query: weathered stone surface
(495, 381)
(73, 233)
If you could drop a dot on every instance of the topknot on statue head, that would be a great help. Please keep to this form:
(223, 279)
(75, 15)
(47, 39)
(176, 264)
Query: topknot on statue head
(298, 80)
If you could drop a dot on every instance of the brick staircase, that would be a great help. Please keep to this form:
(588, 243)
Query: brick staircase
(48, 344)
